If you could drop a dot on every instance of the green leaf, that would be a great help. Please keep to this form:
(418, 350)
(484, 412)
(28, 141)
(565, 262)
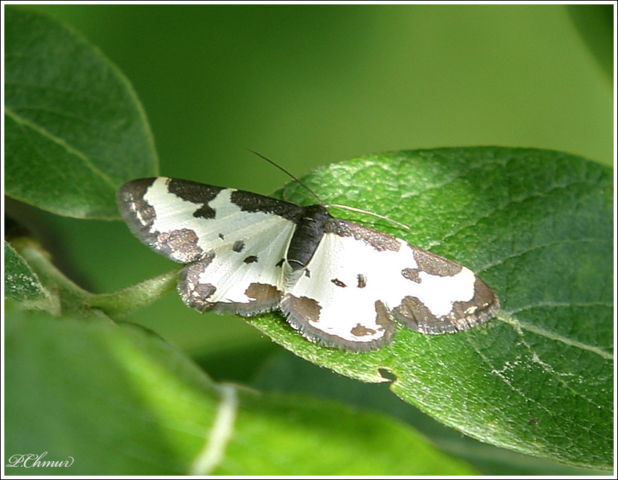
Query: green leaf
(287, 373)
(74, 128)
(117, 400)
(20, 282)
(536, 225)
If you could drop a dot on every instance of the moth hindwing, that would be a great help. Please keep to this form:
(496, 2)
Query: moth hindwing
(336, 282)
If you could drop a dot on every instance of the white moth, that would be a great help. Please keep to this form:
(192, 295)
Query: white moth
(336, 282)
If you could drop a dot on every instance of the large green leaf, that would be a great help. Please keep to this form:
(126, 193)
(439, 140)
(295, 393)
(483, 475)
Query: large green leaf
(74, 129)
(537, 226)
(117, 400)
(287, 373)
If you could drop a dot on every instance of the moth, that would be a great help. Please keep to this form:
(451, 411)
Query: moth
(336, 282)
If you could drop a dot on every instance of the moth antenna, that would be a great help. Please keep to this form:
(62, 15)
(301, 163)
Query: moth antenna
(373, 214)
(334, 205)
(288, 174)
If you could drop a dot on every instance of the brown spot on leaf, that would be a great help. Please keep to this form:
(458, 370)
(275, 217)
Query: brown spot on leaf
(338, 282)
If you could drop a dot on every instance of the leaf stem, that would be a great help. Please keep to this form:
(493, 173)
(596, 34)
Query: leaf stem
(136, 296)
(69, 297)
(63, 293)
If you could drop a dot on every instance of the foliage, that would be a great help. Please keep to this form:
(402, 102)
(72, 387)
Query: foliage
(535, 224)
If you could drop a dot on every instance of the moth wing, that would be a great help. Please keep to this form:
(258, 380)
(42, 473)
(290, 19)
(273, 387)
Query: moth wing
(233, 241)
(336, 301)
(441, 296)
(359, 279)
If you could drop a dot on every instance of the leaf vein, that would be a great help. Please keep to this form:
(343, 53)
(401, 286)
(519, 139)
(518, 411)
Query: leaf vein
(519, 326)
(22, 121)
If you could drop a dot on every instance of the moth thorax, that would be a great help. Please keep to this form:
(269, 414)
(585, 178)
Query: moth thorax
(307, 236)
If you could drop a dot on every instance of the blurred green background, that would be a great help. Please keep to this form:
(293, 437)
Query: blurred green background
(310, 85)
